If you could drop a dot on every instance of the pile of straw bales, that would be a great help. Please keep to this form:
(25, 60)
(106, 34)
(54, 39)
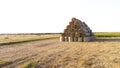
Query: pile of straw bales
(77, 31)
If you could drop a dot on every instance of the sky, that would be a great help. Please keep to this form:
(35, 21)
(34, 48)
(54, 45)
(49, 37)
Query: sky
(52, 16)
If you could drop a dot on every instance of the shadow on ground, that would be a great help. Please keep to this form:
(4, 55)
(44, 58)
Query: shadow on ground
(107, 40)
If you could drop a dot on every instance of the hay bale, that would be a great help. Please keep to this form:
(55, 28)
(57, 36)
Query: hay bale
(66, 39)
(76, 22)
(62, 39)
(79, 39)
(87, 39)
(75, 39)
(65, 30)
(70, 39)
(73, 19)
(87, 34)
(72, 34)
(68, 26)
(77, 29)
(63, 34)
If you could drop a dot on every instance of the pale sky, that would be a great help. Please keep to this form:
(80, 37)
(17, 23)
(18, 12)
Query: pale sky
(44, 16)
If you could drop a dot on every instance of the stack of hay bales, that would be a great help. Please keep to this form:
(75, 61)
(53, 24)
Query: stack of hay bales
(77, 31)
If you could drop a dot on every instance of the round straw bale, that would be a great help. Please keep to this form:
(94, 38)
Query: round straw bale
(68, 26)
(72, 34)
(79, 39)
(72, 29)
(72, 26)
(87, 34)
(73, 19)
(71, 23)
(65, 30)
(70, 39)
(86, 39)
(66, 39)
(62, 39)
(66, 34)
(77, 34)
(80, 21)
(75, 39)
(63, 35)
(76, 22)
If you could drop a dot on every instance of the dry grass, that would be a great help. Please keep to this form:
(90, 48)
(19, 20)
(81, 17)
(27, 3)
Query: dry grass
(21, 38)
(55, 54)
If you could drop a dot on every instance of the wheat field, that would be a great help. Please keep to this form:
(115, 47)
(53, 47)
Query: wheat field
(101, 53)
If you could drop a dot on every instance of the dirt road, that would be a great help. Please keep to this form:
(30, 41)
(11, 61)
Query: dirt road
(55, 54)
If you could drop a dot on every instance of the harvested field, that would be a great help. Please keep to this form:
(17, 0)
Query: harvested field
(15, 38)
(102, 53)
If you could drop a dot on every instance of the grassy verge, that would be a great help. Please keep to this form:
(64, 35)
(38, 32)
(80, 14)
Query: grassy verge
(30, 40)
(107, 34)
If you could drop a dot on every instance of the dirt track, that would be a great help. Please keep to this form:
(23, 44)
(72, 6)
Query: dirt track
(102, 53)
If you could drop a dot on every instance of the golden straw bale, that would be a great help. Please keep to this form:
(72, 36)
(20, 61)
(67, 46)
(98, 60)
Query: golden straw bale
(63, 34)
(71, 23)
(77, 29)
(72, 34)
(68, 26)
(77, 34)
(65, 30)
(76, 22)
(73, 19)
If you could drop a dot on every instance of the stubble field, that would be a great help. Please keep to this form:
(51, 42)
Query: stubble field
(101, 53)
(16, 38)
